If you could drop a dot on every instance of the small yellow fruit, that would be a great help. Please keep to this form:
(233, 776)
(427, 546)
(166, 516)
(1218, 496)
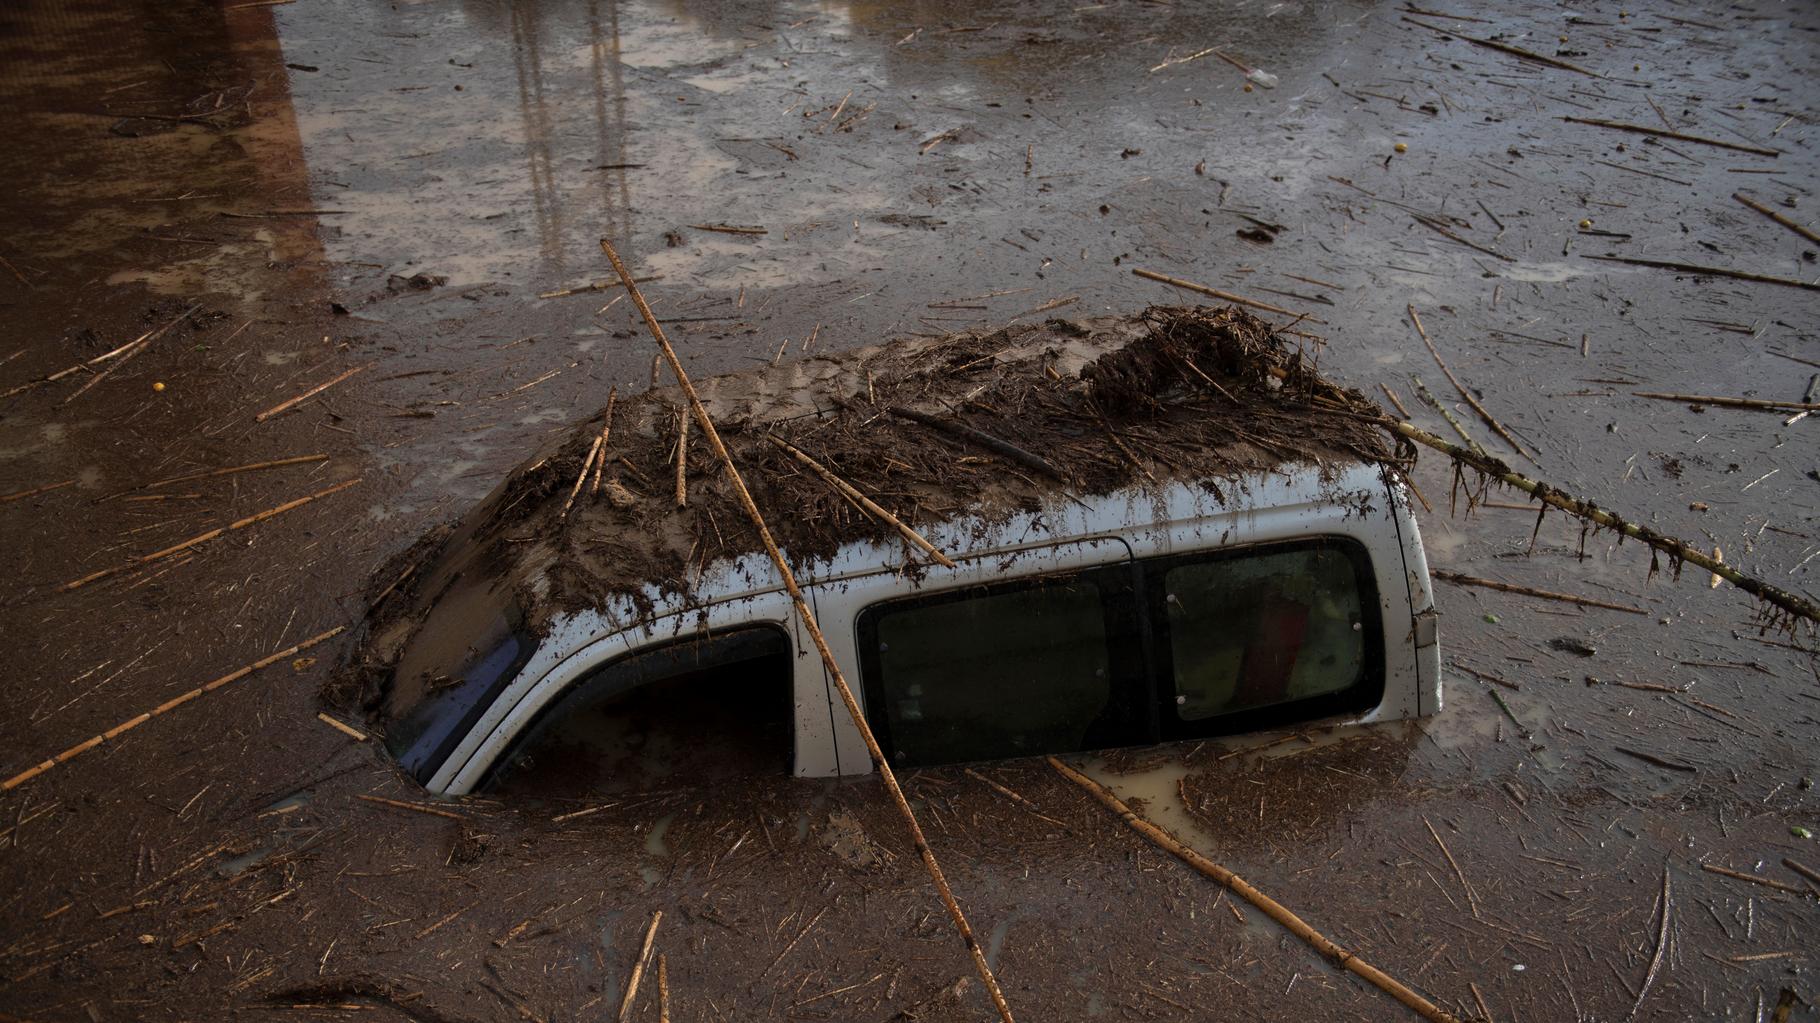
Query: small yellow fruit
(1247, 86)
(1402, 147)
(1585, 225)
(158, 386)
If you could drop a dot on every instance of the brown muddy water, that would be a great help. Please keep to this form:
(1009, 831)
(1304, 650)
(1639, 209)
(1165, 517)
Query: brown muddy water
(299, 190)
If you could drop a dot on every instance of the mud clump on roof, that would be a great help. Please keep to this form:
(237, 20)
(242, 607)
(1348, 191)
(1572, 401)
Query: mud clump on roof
(983, 425)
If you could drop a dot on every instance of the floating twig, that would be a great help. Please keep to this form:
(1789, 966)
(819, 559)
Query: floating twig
(1655, 961)
(1767, 882)
(1644, 129)
(730, 229)
(233, 470)
(1651, 758)
(202, 538)
(807, 616)
(345, 729)
(1777, 217)
(1270, 907)
(682, 457)
(138, 345)
(1496, 427)
(1224, 296)
(285, 406)
(20, 495)
(1709, 271)
(1515, 51)
(164, 708)
(852, 493)
(399, 804)
(596, 286)
(638, 968)
(1530, 591)
(1713, 399)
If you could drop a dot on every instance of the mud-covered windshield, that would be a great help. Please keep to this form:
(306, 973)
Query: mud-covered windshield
(470, 645)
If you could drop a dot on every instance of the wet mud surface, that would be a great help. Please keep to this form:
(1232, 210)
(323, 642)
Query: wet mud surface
(374, 198)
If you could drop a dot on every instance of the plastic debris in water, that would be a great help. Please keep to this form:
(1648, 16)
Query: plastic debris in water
(1262, 77)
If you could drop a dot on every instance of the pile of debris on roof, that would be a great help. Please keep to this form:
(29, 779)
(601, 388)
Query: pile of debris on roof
(986, 424)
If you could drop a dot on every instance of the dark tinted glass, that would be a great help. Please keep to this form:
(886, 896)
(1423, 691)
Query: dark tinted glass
(1262, 630)
(1037, 667)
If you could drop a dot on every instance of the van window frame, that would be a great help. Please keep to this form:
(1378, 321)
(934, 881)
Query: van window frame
(634, 669)
(1143, 663)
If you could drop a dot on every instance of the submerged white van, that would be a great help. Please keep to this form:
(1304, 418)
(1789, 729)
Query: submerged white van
(1123, 602)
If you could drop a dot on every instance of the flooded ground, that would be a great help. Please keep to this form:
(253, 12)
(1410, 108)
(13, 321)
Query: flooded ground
(281, 196)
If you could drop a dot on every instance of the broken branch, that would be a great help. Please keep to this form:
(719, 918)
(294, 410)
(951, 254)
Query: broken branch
(851, 493)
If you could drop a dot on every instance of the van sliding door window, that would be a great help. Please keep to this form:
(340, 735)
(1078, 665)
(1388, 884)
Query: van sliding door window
(1049, 665)
(1264, 636)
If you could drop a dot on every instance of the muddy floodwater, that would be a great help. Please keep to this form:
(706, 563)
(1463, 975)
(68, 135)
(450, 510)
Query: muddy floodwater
(212, 209)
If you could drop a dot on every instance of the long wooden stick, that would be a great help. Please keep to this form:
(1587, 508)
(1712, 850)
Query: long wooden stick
(1530, 591)
(580, 478)
(202, 538)
(275, 463)
(829, 661)
(1270, 907)
(638, 968)
(606, 430)
(1714, 399)
(144, 341)
(1777, 217)
(1793, 603)
(852, 493)
(285, 406)
(1644, 129)
(1515, 51)
(1710, 271)
(169, 705)
(1224, 296)
(1496, 427)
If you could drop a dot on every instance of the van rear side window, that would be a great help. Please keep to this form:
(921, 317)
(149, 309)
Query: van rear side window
(1125, 654)
(1252, 632)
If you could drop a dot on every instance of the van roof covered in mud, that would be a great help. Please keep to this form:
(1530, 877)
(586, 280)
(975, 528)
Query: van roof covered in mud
(981, 426)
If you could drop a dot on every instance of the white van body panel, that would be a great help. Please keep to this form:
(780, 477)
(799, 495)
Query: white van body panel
(1364, 503)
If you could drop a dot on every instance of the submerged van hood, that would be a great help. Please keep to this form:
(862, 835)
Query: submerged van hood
(980, 425)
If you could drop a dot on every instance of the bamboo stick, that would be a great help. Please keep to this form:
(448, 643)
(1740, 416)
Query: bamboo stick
(1644, 129)
(169, 705)
(233, 470)
(888, 776)
(1777, 217)
(1270, 907)
(143, 342)
(285, 406)
(1793, 603)
(202, 538)
(638, 968)
(852, 493)
(1496, 427)
(1711, 271)
(606, 430)
(1515, 51)
(1530, 591)
(580, 478)
(1715, 399)
(682, 457)
(1224, 296)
